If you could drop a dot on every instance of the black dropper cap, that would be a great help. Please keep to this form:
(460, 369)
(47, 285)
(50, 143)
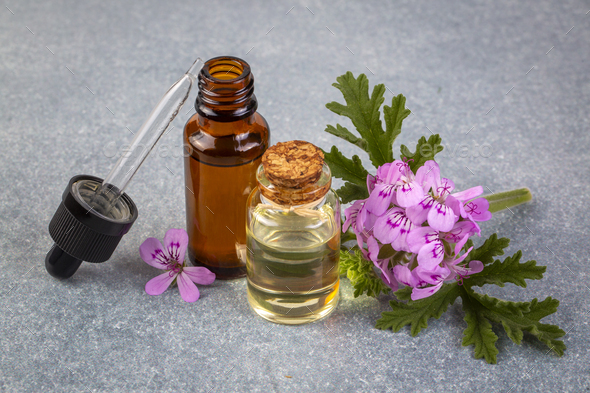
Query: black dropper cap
(81, 232)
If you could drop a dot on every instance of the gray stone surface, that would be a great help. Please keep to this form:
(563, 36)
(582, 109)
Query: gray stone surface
(466, 69)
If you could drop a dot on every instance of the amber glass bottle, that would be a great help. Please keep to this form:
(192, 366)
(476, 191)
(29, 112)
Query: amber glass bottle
(224, 142)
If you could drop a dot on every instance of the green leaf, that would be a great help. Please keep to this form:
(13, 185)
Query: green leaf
(351, 170)
(416, 313)
(394, 116)
(491, 248)
(364, 112)
(514, 324)
(342, 132)
(403, 294)
(510, 270)
(425, 150)
(351, 192)
(479, 331)
(361, 274)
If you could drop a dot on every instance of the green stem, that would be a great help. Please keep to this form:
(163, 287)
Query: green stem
(507, 199)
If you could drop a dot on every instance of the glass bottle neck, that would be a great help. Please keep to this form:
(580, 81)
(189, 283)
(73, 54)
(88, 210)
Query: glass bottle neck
(282, 196)
(226, 90)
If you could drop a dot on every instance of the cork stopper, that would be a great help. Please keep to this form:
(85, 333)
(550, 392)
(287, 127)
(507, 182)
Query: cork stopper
(293, 164)
(294, 170)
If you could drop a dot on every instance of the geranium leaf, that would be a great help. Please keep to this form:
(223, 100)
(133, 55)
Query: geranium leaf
(425, 150)
(351, 192)
(417, 313)
(361, 274)
(351, 170)
(479, 331)
(515, 324)
(394, 116)
(509, 270)
(403, 294)
(491, 248)
(342, 132)
(364, 112)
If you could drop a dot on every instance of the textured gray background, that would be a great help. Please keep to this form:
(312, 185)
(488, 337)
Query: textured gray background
(464, 67)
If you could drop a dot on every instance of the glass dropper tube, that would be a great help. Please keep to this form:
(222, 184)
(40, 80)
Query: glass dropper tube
(151, 131)
(81, 236)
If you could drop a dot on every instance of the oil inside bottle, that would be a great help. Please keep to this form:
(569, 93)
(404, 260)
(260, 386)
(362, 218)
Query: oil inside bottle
(292, 264)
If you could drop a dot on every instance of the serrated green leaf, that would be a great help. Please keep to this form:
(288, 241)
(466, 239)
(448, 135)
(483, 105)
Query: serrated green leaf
(361, 274)
(351, 192)
(516, 308)
(502, 312)
(403, 294)
(342, 132)
(479, 331)
(364, 112)
(416, 313)
(351, 170)
(539, 310)
(491, 248)
(509, 270)
(425, 150)
(394, 116)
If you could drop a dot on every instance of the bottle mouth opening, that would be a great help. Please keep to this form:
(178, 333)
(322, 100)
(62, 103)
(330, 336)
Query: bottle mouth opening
(226, 69)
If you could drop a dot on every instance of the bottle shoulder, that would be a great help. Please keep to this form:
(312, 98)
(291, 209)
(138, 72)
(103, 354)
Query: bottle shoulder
(228, 143)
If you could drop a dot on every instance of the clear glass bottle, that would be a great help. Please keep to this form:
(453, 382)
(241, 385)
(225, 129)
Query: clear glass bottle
(224, 143)
(293, 240)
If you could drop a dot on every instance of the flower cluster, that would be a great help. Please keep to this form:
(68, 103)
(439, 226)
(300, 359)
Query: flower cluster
(415, 228)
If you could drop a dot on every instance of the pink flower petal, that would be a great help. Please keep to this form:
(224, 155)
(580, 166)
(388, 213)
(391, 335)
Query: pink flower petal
(421, 293)
(468, 194)
(432, 276)
(387, 274)
(478, 209)
(373, 248)
(428, 175)
(157, 285)
(387, 227)
(441, 217)
(409, 194)
(460, 230)
(420, 236)
(419, 212)
(176, 241)
(199, 275)
(431, 254)
(152, 253)
(351, 214)
(188, 290)
(371, 183)
(390, 172)
(445, 187)
(365, 221)
(380, 199)
(475, 267)
(404, 275)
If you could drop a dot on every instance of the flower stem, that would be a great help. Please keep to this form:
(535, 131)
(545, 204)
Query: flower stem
(507, 199)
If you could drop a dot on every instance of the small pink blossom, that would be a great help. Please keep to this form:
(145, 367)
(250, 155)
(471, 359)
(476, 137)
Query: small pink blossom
(171, 259)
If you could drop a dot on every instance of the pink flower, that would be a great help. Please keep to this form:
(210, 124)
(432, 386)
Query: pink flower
(427, 281)
(171, 259)
(394, 183)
